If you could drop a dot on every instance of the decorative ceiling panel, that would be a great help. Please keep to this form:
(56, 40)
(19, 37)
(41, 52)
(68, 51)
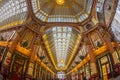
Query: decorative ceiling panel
(61, 10)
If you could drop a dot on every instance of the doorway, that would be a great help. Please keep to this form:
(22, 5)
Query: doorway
(105, 67)
(18, 67)
(17, 71)
(105, 71)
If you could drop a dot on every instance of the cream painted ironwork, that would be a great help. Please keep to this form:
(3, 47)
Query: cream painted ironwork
(69, 11)
(61, 41)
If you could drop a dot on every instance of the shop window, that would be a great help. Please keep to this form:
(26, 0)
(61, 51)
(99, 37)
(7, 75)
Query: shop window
(105, 66)
(96, 40)
(82, 52)
(117, 54)
(81, 75)
(18, 66)
(8, 35)
(27, 40)
(87, 70)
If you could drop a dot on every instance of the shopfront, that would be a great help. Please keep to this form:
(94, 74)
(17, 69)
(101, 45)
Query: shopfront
(18, 66)
(105, 66)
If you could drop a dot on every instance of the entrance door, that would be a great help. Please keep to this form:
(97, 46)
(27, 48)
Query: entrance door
(17, 71)
(18, 67)
(105, 67)
(104, 70)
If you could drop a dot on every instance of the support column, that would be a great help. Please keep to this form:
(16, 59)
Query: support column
(45, 74)
(32, 61)
(42, 74)
(93, 67)
(91, 42)
(110, 47)
(78, 74)
(108, 42)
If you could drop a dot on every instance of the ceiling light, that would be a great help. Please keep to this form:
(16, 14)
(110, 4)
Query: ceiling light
(62, 61)
(60, 2)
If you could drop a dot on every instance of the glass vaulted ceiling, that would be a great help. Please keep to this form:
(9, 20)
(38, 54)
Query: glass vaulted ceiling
(12, 13)
(61, 43)
(69, 11)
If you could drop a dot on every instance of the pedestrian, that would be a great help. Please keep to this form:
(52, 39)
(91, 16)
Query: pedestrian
(84, 78)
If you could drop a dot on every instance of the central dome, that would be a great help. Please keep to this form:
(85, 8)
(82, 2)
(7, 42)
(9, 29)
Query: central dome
(62, 10)
(60, 2)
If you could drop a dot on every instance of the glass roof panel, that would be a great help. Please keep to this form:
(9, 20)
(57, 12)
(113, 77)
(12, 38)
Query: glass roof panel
(63, 43)
(99, 6)
(12, 12)
(69, 11)
(115, 26)
(88, 8)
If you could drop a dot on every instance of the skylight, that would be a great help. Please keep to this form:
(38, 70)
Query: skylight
(62, 11)
(12, 12)
(61, 43)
